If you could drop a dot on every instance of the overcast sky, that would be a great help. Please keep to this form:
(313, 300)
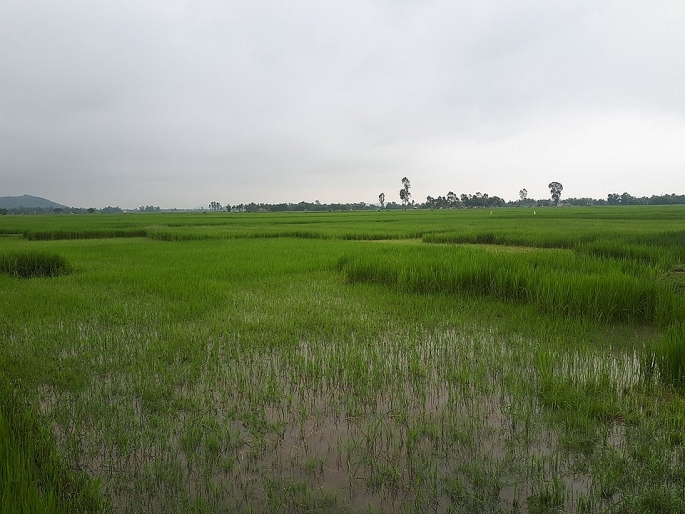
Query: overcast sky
(179, 103)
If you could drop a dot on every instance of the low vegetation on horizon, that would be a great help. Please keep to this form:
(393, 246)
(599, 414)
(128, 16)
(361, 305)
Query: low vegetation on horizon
(457, 361)
(28, 204)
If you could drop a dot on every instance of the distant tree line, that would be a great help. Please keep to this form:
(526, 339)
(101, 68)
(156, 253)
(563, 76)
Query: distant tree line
(449, 201)
(453, 201)
(628, 199)
(612, 199)
(315, 206)
(59, 210)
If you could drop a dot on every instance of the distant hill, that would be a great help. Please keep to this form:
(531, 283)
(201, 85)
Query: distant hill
(28, 202)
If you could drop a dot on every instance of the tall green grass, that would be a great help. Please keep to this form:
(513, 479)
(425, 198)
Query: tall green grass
(48, 235)
(664, 249)
(668, 356)
(19, 491)
(558, 282)
(33, 477)
(33, 263)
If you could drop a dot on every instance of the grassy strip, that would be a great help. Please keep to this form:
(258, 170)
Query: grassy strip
(199, 235)
(50, 235)
(29, 264)
(557, 282)
(664, 249)
(32, 477)
(487, 236)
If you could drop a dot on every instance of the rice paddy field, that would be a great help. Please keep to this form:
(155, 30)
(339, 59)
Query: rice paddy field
(421, 361)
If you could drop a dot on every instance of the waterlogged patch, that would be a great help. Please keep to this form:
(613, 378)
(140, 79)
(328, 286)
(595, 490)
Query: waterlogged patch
(31, 264)
(422, 424)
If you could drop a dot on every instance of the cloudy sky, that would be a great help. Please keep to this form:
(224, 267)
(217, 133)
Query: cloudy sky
(178, 103)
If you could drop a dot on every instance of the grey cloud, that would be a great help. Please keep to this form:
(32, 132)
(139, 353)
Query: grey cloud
(143, 102)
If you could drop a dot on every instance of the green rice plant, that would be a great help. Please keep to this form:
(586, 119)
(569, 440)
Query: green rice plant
(579, 400)
(29, 264)
(639, 252)
(676, 278)
(10, 231)
(505, 236)
(558, 282)
(674, 239)
(658, 499)
(48, 235)
(19, 491)
(33, 478)
(668, 356)
(550, 499)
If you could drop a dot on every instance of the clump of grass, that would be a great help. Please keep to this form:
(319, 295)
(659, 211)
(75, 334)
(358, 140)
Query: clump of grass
(668, 356)
(17, 477)
(33, 478)
(550, 498)
(29, 264)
